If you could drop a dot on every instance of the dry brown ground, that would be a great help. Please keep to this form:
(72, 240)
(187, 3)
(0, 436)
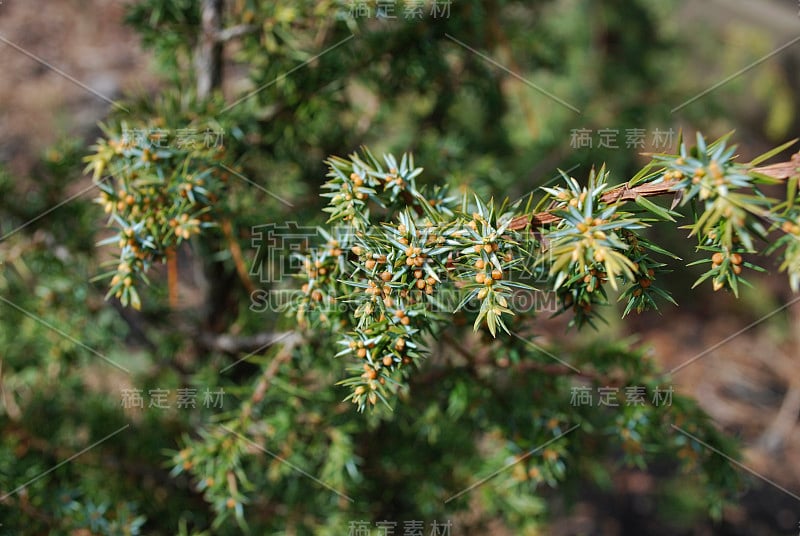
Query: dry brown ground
(84, 39)
(746, 379)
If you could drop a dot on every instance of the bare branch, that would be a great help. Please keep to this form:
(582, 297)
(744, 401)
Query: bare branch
(208, 56)
(234, 344)
(235, 31)
(781, 170)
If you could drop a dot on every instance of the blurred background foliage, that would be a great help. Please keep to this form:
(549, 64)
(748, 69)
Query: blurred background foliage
(315, 79)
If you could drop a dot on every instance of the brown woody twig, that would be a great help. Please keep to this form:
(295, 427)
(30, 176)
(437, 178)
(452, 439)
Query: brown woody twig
(781, 170)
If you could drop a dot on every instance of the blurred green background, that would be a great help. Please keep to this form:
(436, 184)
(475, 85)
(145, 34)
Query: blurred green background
(491, 96)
